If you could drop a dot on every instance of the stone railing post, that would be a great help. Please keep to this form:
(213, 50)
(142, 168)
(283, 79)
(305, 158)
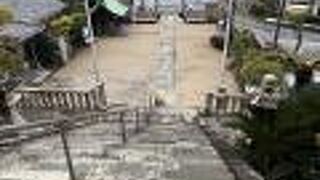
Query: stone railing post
(209, 104)
(123, 127)
(137, 114)
(221, 105)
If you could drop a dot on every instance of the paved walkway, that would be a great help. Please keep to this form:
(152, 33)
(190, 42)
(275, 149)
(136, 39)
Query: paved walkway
(131, 65)
(198, 64)
(123, 63)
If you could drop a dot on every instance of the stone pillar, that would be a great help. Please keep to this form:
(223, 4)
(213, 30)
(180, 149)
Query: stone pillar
(4, 109)
(63, 46)
(209, 104)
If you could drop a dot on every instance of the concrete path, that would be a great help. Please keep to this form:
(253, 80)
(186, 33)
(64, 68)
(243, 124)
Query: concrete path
(198, 64)
(123, 63)
(132, 65)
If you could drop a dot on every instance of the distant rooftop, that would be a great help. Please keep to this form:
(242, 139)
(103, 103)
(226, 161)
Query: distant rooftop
(20, 31)
(33, 11)
(28, 15)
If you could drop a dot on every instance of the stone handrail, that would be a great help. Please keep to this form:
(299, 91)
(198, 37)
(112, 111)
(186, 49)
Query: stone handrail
(225, 104)
(13, 134)
(61, 98)
(224, 141)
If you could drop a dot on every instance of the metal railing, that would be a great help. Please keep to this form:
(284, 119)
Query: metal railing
(130, 121)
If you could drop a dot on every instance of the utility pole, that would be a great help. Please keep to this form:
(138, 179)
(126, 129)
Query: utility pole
(90, 40)
(224, 57)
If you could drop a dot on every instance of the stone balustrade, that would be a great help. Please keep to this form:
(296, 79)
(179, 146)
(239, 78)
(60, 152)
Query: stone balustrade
(62, 98)
(226, 104)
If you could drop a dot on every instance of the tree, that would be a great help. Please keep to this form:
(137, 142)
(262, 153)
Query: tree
(9, 60)
(298, 19)
(263, 8)
(312, 9)
(283, 146)
(281, 7)
(68, 29)
(6, 15)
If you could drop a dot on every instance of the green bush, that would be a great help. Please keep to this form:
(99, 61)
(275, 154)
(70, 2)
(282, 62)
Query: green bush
(6, 14)
(263, 8)
(69, 26)
(312, 19)
(9, 61)
(256, 64)
(46, 52)
(62, 26)
(242, 44)
(65, 24)
(251, 63)
(284, 143)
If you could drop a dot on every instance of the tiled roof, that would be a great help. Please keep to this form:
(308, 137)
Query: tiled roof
(20, 32)
(28, 15)
(32, 11)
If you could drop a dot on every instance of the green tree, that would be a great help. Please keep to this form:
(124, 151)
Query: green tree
(62, 25)
(282, 145)
(263, 8)
(298, 19)
(9, 60)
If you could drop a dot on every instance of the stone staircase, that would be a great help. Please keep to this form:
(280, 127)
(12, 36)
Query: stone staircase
(170, 148)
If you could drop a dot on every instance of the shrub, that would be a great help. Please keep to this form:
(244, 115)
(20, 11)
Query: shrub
(62, 26)
(69, 26)
(65, 24)
(284, 145)
(263, 8)
(47, 51)
(6, 14)
(242, 44)
(257, 64)
(9, 61)
(312, 19)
